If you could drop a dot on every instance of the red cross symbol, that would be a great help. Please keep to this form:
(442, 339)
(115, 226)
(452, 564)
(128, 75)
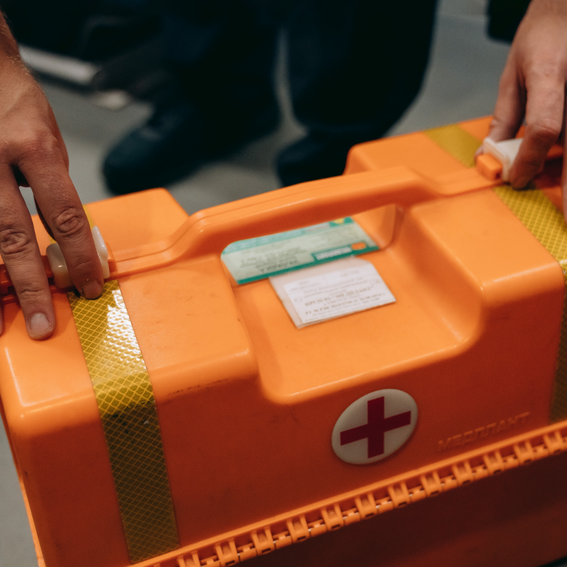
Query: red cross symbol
(376, 427)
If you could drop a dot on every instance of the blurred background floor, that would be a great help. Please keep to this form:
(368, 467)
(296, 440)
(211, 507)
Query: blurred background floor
(461, 83)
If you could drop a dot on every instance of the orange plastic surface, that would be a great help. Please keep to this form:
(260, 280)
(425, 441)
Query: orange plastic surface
(512, 519)
(247, 402)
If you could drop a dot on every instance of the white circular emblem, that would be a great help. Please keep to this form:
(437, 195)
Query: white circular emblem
(374, 426)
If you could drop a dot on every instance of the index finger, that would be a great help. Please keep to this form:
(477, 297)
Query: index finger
(544, 119)
(60, 206)
(509, 108)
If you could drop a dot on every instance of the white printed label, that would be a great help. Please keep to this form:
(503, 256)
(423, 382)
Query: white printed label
(338, 292)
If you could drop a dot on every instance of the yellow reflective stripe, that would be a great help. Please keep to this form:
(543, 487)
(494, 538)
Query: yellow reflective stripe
(538, 214)
(129, 419)
(457, 142)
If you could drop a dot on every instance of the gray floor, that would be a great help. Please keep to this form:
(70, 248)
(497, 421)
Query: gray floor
(461, 83)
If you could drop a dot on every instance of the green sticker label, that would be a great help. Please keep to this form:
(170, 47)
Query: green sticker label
(259, 258)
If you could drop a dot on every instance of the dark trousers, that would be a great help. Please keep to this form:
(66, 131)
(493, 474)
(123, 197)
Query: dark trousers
(354, 66)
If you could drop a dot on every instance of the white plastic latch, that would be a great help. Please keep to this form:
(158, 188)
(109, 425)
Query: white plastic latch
(505, 152)
(58, 265)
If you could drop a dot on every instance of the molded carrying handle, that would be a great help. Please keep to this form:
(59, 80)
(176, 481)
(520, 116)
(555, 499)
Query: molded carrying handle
(212, 230)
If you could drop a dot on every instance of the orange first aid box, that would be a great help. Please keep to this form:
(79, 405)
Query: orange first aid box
(183, 420)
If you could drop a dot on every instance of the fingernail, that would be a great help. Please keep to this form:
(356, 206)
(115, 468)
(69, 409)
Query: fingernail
(39, 325)
(92, 289)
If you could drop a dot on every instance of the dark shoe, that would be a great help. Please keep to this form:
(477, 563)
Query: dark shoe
(312, 157)
(176, 141)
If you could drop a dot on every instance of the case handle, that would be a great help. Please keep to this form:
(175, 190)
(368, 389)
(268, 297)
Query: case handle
(212, 230)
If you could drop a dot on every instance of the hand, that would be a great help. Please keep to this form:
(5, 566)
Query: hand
(532, 87)
(32, 152)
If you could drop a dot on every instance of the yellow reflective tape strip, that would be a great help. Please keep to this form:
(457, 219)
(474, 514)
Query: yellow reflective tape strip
(457, 142)
(540, 216)
(129, 419)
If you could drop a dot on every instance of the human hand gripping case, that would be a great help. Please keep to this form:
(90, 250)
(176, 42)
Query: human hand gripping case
(183, 419)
